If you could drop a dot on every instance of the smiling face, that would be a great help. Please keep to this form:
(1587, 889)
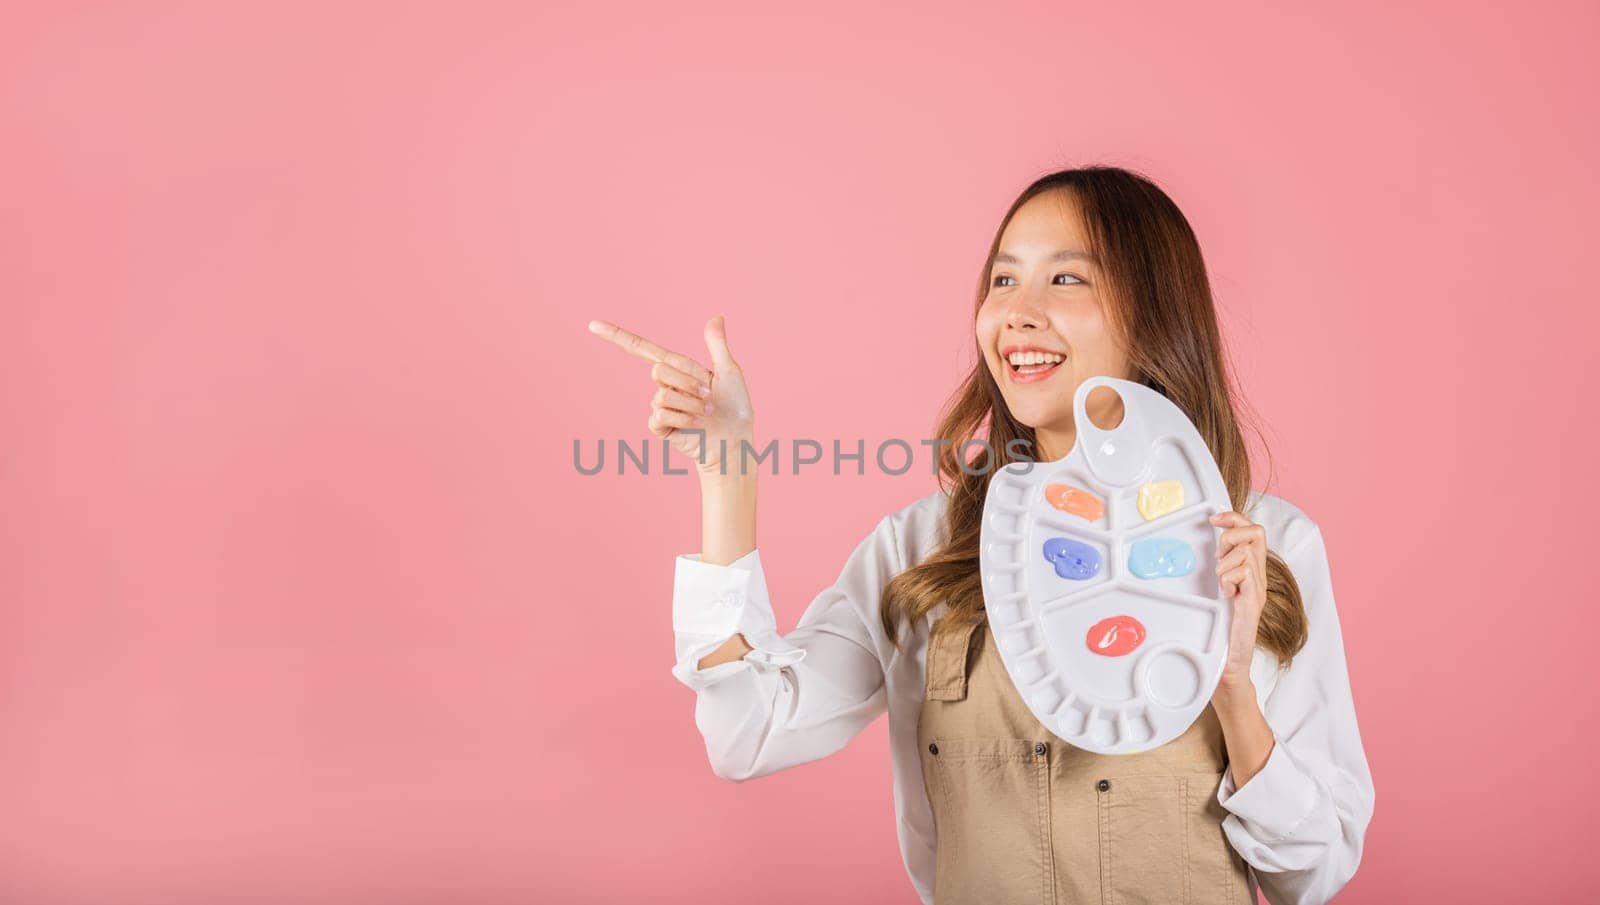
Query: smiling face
(1043, 327)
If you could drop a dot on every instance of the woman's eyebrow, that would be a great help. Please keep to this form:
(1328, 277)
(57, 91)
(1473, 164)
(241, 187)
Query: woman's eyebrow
(1065, 254)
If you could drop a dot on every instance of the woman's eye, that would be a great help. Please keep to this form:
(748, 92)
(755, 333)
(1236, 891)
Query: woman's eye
(997, 280)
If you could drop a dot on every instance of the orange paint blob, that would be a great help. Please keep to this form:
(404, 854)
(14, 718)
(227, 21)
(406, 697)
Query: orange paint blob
(1075, 500)
(1115, 636)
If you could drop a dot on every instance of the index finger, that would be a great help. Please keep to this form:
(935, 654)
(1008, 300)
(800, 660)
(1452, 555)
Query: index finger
(634, 344)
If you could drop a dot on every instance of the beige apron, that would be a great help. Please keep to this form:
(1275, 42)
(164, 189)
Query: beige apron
(1022, 816)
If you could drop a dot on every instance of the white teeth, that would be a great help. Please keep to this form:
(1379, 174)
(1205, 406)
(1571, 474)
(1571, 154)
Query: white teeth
(1019, 359)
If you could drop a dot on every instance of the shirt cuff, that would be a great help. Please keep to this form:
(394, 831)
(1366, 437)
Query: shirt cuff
(1276, 801)
(710, 599)
(710, 603)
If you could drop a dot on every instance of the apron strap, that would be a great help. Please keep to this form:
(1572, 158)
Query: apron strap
(947, 662)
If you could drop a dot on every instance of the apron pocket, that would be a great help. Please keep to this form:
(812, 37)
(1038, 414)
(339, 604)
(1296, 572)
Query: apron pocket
(1161, 841)
(1217, 875)
(991, 811)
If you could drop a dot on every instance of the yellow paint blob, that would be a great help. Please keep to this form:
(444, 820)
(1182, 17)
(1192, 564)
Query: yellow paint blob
(1158, 498)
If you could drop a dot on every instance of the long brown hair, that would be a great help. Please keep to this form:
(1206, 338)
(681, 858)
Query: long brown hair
(1159, 300)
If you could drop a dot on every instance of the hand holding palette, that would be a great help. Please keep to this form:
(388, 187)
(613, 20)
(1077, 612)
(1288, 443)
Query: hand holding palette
(1099, 577)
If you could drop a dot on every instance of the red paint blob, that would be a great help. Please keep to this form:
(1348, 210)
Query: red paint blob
(1115, 636)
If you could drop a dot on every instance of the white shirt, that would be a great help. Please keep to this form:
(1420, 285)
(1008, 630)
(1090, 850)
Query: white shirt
(798, 697)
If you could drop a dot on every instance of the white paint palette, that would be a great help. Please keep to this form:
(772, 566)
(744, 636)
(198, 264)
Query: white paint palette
(1099, 576)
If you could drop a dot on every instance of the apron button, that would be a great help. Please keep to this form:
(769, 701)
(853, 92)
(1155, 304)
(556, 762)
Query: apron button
(933, 748)
(1038, 748)
(1103, 785)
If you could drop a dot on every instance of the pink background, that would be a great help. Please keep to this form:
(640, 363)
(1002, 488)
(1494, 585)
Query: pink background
(302, 599)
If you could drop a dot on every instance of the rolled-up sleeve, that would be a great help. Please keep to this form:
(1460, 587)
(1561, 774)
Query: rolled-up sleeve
(795, 697)
(1301, 820)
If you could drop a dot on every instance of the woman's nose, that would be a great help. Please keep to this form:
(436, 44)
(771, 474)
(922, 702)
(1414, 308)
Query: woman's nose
(1025, 311)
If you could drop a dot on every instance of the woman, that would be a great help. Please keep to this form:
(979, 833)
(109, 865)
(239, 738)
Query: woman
(1093, 271)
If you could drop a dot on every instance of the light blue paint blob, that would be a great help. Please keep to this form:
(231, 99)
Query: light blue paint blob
(1073, 559)
(1161, 557)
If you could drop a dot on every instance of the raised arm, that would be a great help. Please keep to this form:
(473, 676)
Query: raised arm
(1301, 821)
(765, 701)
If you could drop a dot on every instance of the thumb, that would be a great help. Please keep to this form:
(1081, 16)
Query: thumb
(717, 343)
